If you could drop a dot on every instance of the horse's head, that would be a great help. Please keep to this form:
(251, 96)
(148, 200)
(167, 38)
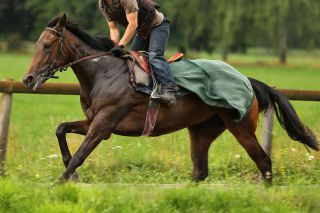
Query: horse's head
(51, 52)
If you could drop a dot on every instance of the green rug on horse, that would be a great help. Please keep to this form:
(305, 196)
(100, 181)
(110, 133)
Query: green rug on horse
(216, 83)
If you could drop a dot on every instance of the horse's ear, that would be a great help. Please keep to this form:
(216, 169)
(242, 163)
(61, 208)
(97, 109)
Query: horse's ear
(62, 22)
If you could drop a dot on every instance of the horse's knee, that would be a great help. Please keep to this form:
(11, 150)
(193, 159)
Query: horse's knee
(61, 130)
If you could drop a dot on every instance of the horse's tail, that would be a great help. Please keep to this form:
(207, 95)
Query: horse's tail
(270, 98)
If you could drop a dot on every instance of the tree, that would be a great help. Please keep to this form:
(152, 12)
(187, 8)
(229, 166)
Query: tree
(274, 16)
(288, 21)
(232, 18)
(86, 12)
(193, 24)
(206, 25)
(9, 23)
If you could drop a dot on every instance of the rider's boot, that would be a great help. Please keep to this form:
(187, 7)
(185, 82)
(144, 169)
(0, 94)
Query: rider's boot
(165, 96)
(168, 97)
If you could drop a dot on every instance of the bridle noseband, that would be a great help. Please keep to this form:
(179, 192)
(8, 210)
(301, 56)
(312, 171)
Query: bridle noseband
(53, 69)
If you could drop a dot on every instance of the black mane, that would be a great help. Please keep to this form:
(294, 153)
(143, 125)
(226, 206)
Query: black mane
(98, 43)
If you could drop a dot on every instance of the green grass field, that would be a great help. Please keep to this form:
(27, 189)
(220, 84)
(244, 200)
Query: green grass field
(34, 159)
(154, 198)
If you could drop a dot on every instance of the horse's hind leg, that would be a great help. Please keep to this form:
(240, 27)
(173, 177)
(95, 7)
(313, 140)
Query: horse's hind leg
(201, 136)
(77, 127)
(245, 134)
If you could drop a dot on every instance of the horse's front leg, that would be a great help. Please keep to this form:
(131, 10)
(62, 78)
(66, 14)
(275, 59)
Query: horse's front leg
(77, 127)
(100, 129)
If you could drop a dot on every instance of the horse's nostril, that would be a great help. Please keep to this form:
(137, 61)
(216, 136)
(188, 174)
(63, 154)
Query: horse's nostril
(28, 79)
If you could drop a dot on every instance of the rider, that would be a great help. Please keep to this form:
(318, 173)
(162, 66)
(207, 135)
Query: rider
(149, 29)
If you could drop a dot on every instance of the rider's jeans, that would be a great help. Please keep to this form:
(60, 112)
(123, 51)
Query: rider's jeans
(156, 46)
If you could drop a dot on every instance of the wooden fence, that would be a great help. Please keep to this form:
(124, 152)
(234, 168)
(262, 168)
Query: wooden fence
(8, 88)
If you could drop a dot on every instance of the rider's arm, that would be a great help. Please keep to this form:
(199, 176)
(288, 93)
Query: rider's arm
(131, 28)
(114, 31)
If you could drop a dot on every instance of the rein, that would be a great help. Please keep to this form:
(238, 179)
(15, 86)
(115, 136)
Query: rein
(52, 69)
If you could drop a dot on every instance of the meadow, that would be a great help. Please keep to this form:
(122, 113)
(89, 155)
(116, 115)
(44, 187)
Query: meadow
(34, 160)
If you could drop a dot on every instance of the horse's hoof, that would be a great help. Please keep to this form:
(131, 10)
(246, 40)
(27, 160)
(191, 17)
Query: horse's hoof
(268, 183)
(199, 177)
(74, 178)
(63, 179)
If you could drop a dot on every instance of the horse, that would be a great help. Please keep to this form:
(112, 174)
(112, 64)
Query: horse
(113, 106)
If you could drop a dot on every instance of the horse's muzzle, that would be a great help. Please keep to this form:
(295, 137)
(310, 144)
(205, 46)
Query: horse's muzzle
(28, 80)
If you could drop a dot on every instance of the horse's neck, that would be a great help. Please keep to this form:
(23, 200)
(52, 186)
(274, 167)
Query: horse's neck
(85, 71)
(103, 70)
(97, 73)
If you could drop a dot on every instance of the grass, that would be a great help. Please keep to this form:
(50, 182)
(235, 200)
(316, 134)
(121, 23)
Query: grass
(149, 198)
(34, 157)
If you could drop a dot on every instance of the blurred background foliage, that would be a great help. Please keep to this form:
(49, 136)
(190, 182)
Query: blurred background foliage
(222, 26)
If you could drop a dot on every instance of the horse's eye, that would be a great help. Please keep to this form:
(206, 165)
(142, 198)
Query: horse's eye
(47, 46)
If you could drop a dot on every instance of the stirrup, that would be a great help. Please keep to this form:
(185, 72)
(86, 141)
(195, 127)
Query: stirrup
(153, 94)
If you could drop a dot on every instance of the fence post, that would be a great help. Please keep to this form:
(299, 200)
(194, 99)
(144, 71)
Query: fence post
(4, 128)
(267, 129)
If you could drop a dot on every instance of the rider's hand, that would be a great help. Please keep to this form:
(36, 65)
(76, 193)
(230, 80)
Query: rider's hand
(118, 50)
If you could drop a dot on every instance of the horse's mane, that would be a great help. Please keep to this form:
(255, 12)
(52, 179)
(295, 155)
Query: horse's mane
(98, 43)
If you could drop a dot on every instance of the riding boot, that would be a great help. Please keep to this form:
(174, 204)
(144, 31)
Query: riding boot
(165, 96)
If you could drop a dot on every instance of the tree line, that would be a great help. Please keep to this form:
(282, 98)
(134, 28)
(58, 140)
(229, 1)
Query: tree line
(207, 25)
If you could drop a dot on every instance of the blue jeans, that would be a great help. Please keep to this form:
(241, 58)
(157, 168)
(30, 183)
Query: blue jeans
(156, 45)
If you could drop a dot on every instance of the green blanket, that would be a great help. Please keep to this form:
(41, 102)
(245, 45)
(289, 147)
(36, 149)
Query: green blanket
(216, 83)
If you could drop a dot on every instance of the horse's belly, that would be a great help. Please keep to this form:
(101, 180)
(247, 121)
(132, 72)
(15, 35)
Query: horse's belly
(188, 111)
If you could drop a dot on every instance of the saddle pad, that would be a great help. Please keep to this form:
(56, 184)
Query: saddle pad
(216, 83)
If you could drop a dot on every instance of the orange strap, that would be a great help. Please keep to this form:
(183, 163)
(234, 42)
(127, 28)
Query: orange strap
(175, 57)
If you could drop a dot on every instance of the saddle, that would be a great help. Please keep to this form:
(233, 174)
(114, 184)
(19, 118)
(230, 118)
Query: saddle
(140, 69)
(142, 78)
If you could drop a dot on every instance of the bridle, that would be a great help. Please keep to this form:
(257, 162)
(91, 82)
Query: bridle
(53, 68)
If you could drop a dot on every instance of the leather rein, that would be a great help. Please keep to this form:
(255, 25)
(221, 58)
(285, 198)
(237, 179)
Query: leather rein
(53, 69)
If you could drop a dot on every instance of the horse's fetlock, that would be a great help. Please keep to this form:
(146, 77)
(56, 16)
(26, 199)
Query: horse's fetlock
(268, 175)
(200, 175)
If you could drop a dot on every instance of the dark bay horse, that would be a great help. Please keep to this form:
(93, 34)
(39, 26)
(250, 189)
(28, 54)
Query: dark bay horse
(111, 104)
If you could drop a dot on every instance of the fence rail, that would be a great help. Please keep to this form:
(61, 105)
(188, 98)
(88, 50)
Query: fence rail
(74, 89)
(48, 88)
(10, 87)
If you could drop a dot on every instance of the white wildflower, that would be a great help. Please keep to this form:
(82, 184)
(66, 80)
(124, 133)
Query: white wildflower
(52, 156)
(310, 158)
(293, 149)
(237, 156)
(117, 147)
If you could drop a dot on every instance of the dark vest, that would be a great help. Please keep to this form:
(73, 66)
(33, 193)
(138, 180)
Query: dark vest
(146, 15)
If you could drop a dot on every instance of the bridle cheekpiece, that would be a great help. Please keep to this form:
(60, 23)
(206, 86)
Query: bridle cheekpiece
(53, 69)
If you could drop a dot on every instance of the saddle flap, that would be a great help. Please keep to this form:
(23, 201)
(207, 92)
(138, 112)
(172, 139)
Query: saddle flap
(142, 61)
(138, 75)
